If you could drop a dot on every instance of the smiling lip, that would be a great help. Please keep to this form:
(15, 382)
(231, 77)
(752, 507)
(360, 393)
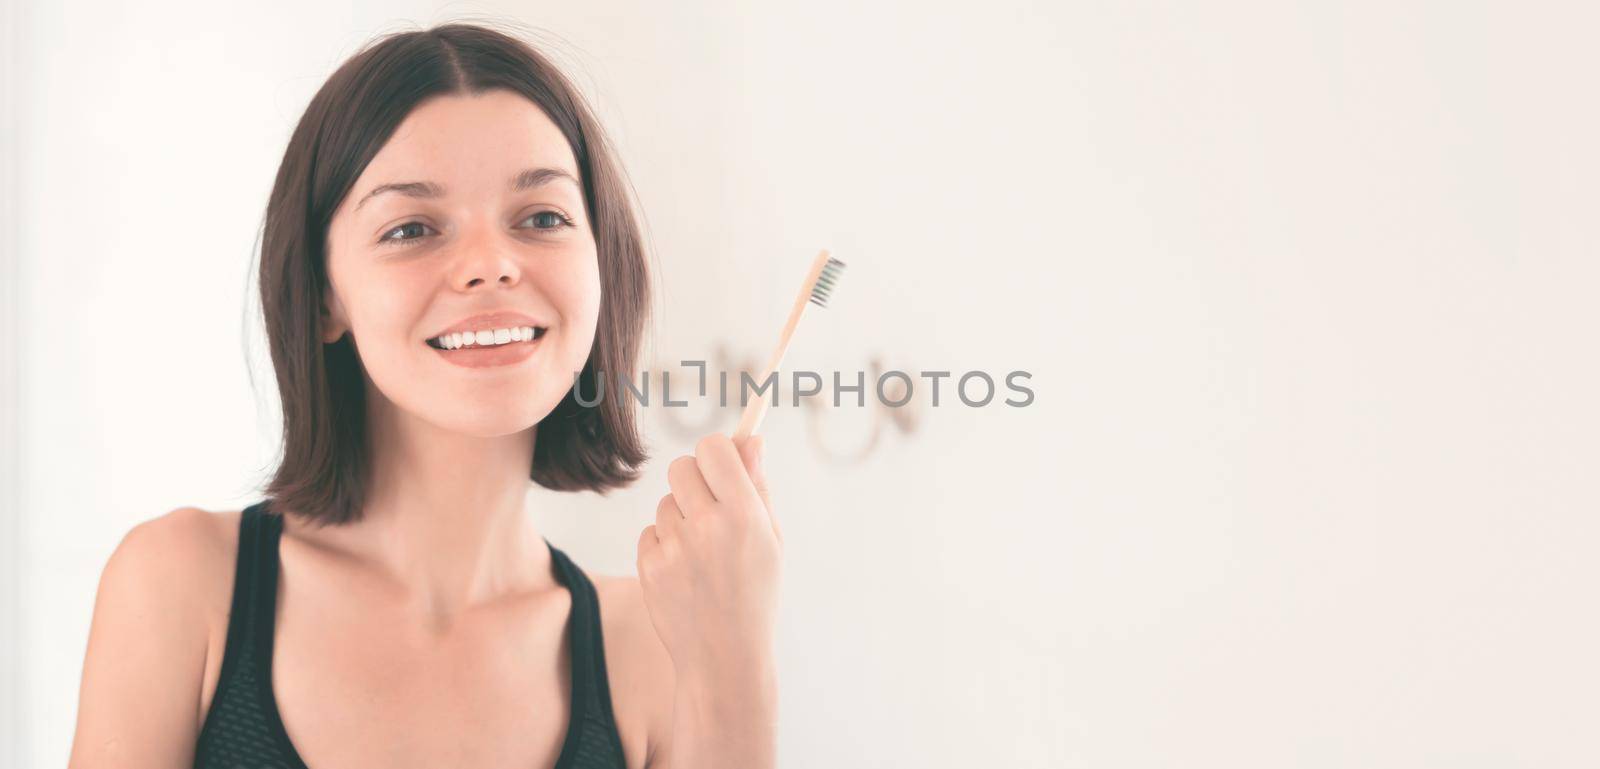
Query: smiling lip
(490, 321)
(490, 356)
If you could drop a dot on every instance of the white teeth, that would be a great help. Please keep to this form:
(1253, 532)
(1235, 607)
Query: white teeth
(485, 338)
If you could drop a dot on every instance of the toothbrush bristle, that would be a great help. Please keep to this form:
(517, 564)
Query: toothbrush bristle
(826, 282)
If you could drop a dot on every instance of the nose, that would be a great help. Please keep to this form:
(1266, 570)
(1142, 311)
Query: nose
(484, 260)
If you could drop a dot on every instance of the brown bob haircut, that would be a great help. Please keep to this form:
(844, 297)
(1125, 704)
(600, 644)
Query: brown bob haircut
(324, 469)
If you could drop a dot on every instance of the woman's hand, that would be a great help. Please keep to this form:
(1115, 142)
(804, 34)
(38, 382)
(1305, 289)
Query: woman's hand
(710, 564)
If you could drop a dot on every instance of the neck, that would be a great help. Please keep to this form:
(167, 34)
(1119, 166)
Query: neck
(445, 515)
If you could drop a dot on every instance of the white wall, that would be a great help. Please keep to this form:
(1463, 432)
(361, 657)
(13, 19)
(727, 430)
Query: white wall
(11, 694)
(1306, 291)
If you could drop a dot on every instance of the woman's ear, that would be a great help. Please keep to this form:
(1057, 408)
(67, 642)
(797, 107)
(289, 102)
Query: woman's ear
(333, 321)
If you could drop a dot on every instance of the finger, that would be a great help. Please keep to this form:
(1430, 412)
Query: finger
(668, 517)
(753, 451)
(688, 485)
(647, 544)
(724, 471)
(649, 558)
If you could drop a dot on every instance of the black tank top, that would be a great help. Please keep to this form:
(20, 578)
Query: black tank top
(243, 729)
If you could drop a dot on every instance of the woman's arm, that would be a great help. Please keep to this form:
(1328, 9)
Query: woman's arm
(709, 571)
(728, 718)
(139, 700)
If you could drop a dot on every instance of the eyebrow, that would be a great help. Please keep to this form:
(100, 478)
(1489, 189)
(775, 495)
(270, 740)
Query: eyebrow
(526, 179)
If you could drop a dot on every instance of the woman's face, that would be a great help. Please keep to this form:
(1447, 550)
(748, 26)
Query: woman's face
(469, 233)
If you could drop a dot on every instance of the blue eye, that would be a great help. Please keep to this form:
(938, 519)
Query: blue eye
(560, 221)
(388, 241)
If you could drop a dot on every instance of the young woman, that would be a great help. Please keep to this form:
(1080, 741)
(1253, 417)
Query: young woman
(448, 243)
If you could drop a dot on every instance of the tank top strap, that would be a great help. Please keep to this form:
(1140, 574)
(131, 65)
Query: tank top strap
(242, 726)
(258, 536)
(255, 576)
(592, 728)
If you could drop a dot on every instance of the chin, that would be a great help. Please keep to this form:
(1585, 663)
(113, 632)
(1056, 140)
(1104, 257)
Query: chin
(489, 414)
(488, 423)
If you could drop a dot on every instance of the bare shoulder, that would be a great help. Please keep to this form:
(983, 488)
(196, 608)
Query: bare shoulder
(213, 540)
(187, 531)
(149, 637)
(171, 562)
(637, 665)
(187, 555)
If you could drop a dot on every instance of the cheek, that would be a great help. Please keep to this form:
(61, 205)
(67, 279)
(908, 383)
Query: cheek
(387, 310)
(579, 301)
(384, 310)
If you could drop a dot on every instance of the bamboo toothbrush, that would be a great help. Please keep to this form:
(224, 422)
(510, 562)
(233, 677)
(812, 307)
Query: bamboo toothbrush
(820, 282)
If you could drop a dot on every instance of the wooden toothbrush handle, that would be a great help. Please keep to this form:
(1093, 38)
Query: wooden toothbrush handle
(757, 408)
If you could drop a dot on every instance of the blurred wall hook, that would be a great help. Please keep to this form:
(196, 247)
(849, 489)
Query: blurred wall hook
(724, 369)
